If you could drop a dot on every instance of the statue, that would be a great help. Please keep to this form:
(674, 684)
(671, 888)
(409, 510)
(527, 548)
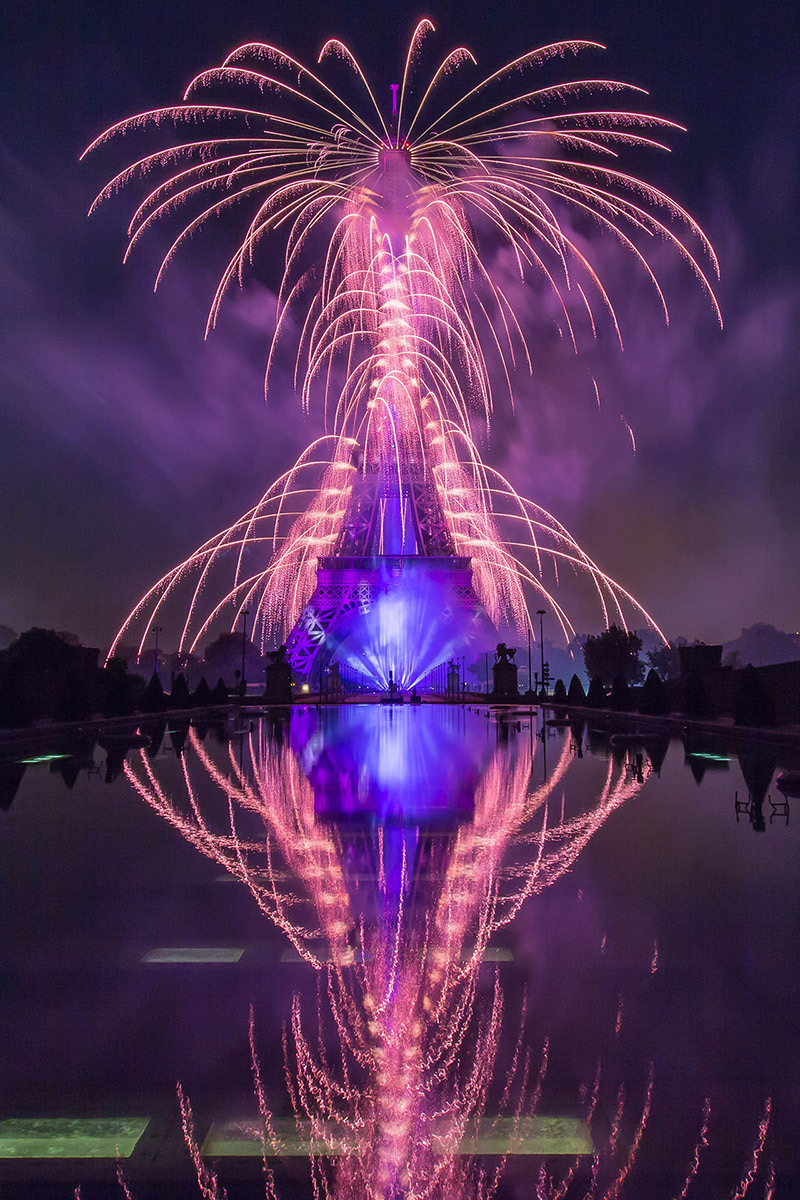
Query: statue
(504, 673)
(334, 685)
(278, 688)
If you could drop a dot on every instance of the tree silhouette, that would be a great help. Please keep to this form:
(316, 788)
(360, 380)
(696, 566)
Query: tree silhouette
(559, 692)
(666, 661)
(753, 705)
(179, 696)
(653, 699)
(596, 697)
(154, 700)
(620, 695)
(121, 690)
(576, 694)
(74, 702)
(696, 700)
(614, 652)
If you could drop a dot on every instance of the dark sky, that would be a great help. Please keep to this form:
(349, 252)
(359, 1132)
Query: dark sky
(127, 441)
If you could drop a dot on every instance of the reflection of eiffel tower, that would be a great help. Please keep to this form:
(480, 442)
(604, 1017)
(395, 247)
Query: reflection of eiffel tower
(394, 531)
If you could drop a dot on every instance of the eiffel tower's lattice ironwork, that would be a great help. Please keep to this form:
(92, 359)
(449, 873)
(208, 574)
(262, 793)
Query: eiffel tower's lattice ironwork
(393, 528)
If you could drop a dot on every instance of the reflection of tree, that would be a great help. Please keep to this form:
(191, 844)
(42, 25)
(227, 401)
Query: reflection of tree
(394, 1075)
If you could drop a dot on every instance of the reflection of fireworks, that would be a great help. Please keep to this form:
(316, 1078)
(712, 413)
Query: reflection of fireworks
(417, 1043)
(393, 328)
(394, 1076)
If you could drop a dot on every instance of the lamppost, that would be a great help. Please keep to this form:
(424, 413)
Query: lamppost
(245, 614)
(540, 612)
(530, 665)
(156, 630)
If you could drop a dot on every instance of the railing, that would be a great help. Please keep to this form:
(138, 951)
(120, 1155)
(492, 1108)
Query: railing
(394, 562)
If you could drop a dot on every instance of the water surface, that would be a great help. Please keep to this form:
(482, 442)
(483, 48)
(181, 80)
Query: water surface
(398, 949)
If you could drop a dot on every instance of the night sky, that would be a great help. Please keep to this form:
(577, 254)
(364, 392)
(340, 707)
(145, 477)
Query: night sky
(126, 440)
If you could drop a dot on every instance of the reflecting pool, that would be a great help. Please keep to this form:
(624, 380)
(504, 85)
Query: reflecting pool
(378, 951)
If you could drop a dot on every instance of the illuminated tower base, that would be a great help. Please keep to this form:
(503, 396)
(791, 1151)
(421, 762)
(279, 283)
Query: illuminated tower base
(394, 598)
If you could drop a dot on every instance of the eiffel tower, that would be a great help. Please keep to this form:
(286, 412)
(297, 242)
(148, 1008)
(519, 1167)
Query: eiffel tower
(394, 538)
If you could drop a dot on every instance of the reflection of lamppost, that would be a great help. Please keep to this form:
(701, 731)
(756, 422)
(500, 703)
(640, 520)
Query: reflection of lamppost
(540, 612)
(243, 684)
(156, 630)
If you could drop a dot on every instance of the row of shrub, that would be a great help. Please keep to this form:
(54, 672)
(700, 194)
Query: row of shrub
(753, 705)
(46, 675)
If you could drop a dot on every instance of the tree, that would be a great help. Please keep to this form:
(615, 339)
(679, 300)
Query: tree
(696, 700)
(224, 657)
(576, 694)
(754, 705)
(154, 700)
(665, 660)
(75, 701)
(15, 712)
(120, 689)
(219, 694)
(51, 674)
(613, 653)
(559, 692)
(179, 696)
(596, 697)
(7, 636)
(202, 694)
(653, 700)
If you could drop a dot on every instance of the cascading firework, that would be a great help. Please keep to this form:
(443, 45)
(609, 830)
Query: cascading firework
(390, 230)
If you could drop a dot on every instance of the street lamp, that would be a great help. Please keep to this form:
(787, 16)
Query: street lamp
(530, 665)
(156, 630)
(540, 612)
(245, 614)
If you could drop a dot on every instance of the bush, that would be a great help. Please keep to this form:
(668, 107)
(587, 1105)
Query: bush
(654, 700)
(14, 710)
(559, 692)
(754, 705)
(154, 700)
(620, 695)
(118, 688)
(576, 694)
(179, 696)
(74, 702)
(696, 700)
(596, 697)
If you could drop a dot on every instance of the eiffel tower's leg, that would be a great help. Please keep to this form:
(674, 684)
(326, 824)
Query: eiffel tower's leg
(328, 616)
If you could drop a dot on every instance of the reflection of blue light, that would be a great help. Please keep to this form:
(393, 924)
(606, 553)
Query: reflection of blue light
(410, 629)
(387, 765)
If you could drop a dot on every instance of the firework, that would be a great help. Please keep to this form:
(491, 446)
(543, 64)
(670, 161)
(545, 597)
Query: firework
(402, 326)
